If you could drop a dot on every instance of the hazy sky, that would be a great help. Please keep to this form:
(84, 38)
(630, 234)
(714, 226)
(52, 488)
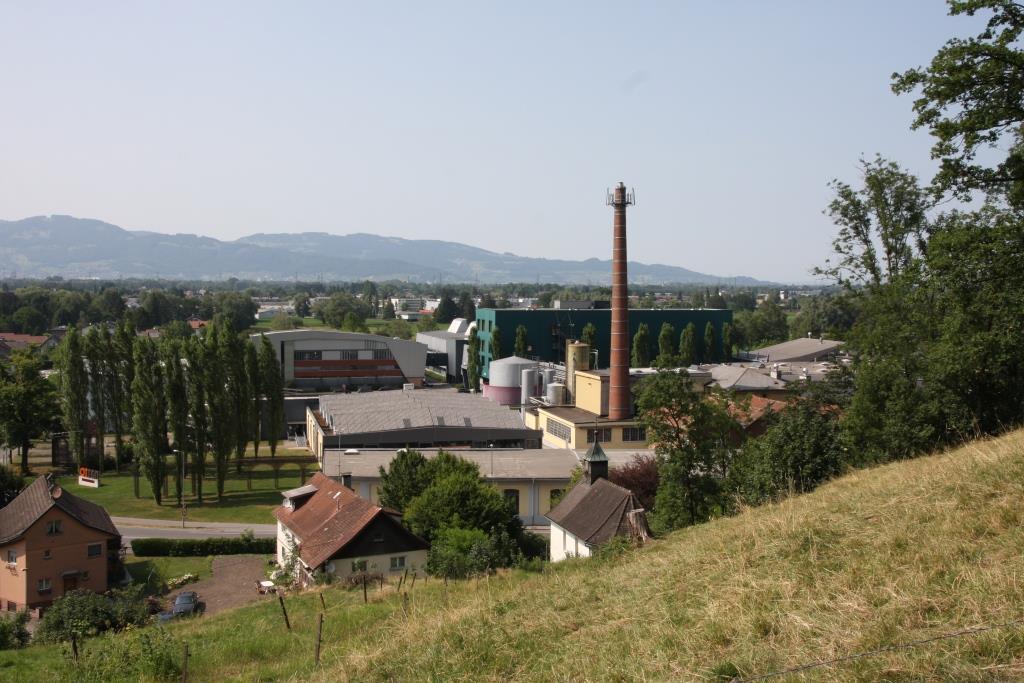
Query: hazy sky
(495, 124)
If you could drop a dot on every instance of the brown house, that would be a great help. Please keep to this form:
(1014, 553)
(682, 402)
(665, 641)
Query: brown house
(52, 542)
(333, 530)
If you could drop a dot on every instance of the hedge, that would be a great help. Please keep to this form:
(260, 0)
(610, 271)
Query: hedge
(201, 547)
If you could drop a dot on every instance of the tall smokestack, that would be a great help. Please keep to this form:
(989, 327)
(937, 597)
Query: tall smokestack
(620, 402)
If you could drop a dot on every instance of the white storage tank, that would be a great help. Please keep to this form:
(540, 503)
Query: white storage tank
(556, 393)
(507, 372)
(529, 388)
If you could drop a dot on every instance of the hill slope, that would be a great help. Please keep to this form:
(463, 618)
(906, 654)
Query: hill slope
(75, 247)
(877, 558)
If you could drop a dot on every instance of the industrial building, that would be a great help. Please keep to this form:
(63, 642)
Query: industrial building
(548, 329)
(322, 360)
(445, 347)
(421, 418)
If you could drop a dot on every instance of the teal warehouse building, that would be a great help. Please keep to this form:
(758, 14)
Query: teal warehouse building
(548, 329)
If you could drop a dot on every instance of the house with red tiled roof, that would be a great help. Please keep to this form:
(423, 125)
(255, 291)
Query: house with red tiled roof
(52, 542)
(12, 341)
(325, 526)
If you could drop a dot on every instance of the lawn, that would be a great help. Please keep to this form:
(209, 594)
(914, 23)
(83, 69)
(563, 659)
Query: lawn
(264, 325)
(154, 572)
(240, 504)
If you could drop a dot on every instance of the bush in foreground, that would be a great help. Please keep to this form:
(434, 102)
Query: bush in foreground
(201, 547)
(82, 613)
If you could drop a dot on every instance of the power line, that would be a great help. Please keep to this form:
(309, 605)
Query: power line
(882, 650)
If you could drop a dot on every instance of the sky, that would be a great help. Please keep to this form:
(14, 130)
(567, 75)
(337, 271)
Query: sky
(499, 125)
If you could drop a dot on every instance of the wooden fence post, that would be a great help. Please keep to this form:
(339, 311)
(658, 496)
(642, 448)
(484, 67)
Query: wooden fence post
(184, 666)
(405, 604)
(414, 575)
(74, 648)
(287, 623)
(319, 634)
(364, 588)
(322, 603)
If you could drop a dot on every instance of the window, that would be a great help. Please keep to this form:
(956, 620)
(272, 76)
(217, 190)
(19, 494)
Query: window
(634, 434)
(12, 556)
(47, 554)
(95, 550)
(350, 354)
(382, 354)
(309, 355)
(603, 435)
(43, 586)
(54, 527)
(358, 566)
(12, 606)
(398, 563)
(512, 498)
(557, 429)
(556, 495)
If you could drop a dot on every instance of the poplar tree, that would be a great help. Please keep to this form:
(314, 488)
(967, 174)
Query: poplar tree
(688, 346)
(496, 350)
(195, 387)
(219, 398)
(74, 392)
(238, 385)
(255, 399)
(641, 347)
(121, 362)
(95, 346)
(711, 349)
(473, 360)
(273, 389)
(177, 408)
(520, 344)
(589, 337)
(727, 341)
(666, 344)
(147, 420)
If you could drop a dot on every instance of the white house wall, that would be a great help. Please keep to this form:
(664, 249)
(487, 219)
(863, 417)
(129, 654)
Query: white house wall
(563, 544)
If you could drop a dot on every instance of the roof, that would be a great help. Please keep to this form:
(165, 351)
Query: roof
(331, 519)
(38, 498)
(494, 464)
(578, 416)
(758, 408)
(594, 513)
(742, 378)
(383, 411)
(13, 340)
(595, 453)
(805, 348)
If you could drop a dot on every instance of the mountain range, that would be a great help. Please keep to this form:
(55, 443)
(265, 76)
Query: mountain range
(70, 247)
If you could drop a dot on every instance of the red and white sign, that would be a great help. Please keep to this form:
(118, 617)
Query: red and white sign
(88, 477)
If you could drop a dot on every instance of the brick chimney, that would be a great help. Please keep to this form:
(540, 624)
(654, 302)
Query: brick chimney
(620, 401)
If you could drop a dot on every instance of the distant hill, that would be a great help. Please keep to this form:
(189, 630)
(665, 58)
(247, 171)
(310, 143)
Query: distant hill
(76, 247)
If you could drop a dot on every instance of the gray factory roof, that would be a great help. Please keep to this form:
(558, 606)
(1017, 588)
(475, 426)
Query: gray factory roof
(743, 378)
(386, 411)
(530, 463)
(804, 349)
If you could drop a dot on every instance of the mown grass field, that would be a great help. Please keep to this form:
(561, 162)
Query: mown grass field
(873, 560)
(240, 504)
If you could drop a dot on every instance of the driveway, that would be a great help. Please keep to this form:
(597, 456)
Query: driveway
(233, 583)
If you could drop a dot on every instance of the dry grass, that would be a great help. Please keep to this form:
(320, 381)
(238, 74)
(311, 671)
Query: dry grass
(874, 559)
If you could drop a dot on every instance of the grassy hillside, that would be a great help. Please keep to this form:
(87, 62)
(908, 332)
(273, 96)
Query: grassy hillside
(878, 558)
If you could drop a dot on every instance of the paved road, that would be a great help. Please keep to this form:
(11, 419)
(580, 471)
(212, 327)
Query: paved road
(135, 527)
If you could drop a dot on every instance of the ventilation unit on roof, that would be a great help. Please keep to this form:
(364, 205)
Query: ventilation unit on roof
(440, 421)
(467, 421)
(407, 423)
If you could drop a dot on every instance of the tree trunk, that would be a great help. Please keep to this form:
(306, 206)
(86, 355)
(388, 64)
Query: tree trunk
(24, 457)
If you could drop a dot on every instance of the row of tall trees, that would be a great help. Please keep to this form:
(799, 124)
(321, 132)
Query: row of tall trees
(691, 348)
(193, 398)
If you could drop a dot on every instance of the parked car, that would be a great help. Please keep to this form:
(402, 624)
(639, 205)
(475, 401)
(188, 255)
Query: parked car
(186, 604)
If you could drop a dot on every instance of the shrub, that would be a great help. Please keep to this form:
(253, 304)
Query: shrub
(459, 553)
(148, 654)
(13, 633)
(84, 613)
(201, 547)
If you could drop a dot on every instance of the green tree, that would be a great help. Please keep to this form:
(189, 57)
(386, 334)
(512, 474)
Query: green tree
(74, 391)
(198, 358)
(148, 415)
(222, 408)
(28, 405)
(521, 342)
(237, 308)
(589, 335)
(473, 360)
(800, 450)
(301, 305)
(467, 308)
(389, 310)
(712, 349)
(496, 350)
(405, 478)
(666, 344)
(690, 431)
(641, 357)
(95, 346)
(459, 500)
(727, 342)
(970, 99)
(254, 401)
(29, 320)
(176, 396)
(273, 391)
(688, 354)
(446, 310)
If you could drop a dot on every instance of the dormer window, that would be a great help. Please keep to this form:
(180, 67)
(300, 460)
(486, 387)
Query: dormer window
(54, 527)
